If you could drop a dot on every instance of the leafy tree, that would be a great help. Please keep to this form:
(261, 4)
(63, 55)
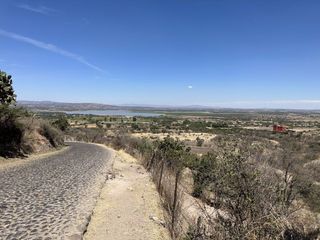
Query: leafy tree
(11, 132)
(62, 123)
(204, 174)
(99, 124)
(7, 95)
(135, 126)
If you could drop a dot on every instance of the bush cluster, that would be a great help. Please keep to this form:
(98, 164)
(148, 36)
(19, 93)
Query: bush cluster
(11, 132)
(18, 130)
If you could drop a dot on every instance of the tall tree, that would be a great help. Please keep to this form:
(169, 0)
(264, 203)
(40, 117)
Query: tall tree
(7, 95)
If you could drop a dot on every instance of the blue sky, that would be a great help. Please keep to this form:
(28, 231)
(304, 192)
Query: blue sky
(229, 53)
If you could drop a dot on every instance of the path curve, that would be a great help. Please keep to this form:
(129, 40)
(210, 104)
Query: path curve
(52, 197)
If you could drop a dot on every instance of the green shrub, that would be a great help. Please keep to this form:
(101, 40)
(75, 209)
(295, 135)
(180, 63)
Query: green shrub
(7, 95)
(11, 132)
(203, 173)
(199, 141)
(135, 126)
(62, 123)
(54, 136)
(17, 128)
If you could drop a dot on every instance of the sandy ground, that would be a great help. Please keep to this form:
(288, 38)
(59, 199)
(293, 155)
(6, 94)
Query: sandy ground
(182, 137)
(259, 128)
(129, 206)
(301, 129)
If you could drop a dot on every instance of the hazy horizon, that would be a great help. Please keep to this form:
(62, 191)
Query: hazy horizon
(233, 54)
(240, 105)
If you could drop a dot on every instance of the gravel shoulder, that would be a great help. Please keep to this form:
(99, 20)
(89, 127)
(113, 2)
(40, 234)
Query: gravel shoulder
(129, 206)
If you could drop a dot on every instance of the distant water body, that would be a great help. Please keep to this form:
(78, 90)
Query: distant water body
(115, 113)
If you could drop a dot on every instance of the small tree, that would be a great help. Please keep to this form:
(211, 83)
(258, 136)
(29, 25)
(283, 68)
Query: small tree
(10, 130)
(62, 123)
(7, 95)
(199, 142)
(172, 156)
(99, 124)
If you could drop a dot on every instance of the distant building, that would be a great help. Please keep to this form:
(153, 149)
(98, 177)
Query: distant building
(279, 128)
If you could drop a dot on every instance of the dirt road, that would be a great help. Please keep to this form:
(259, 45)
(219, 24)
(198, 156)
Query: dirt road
(129, 206)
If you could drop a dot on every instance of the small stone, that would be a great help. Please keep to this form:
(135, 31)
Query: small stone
(157, 221)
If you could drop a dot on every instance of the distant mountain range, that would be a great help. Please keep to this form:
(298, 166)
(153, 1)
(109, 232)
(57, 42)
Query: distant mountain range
(62, 106)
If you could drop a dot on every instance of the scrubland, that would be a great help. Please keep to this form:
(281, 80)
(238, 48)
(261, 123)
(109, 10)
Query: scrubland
(224, 176)
(23, 133)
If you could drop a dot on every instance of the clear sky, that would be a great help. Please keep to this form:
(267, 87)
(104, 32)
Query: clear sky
(229, 53)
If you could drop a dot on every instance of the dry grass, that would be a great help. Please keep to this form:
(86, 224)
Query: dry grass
(182, 136)
(24, 134)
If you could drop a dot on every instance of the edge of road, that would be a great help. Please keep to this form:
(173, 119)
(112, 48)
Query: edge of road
(130, 199)
(6, 163)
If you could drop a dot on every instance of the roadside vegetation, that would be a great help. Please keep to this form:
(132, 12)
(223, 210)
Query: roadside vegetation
(246, 181)
(21, 131)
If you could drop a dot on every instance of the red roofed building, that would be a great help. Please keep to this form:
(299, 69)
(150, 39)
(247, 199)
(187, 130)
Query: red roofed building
(279, 128)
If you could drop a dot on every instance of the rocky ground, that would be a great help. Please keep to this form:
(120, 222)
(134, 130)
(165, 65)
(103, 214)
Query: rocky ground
(52, 197)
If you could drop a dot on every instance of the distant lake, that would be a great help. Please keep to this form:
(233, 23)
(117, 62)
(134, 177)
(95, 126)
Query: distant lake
(114, 113)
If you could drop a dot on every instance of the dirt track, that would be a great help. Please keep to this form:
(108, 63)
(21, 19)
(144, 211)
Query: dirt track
(129, 206)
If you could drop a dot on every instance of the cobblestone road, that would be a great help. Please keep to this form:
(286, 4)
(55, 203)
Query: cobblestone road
(53, 197)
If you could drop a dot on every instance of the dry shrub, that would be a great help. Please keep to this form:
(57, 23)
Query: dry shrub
(52, 134)
(255, 201)
(11, 132)
(167, 192)
(22, 134)
(95, 135)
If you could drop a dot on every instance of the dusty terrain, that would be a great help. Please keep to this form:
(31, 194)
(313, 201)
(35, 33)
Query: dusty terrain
(129, 206)
(182, 137)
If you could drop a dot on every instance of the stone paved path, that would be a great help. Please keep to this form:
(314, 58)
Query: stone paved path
(53, 197)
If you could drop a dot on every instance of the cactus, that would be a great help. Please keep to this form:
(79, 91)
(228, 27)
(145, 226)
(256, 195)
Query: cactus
(7, 95)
